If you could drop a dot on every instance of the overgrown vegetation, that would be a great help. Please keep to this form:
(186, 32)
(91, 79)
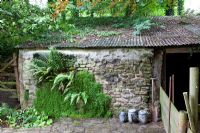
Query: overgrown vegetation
(48, 66)
(67, 92)
(96, 104)
(25, 118)
(20, 22)
(84, 99)
(65, 20)
(51, 102)
(143, 24)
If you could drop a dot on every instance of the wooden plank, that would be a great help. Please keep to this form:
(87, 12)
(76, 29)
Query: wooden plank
(199, 108)
(173, 127)
(7, 89)
(169, 110)
(173, 119)
(7, 74)
(189, 130)
(182, 122)
(7, 65)
(173, 88)
(178, 50)
(173, 122)
(14, 96)
(8, 83)
(191, 121)
(164, 100)
(194, 94)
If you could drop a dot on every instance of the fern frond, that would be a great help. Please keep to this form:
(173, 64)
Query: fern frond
(67, 97)
(73, 98)
(84, 97)
(78, 99)
(65, 79)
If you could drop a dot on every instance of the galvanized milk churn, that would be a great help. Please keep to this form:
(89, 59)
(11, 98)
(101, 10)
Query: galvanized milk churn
(143, 116)
(133, 115)
(122, 117)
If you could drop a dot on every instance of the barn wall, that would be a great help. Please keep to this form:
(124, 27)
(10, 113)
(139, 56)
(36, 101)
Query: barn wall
(124, 73)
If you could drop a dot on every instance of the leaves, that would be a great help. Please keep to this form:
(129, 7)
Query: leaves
(84, 97)
(63, 81)
(26, 118)
(46, 67)
(142, 25)
(20, 24)
(113, 8)
(76, 98)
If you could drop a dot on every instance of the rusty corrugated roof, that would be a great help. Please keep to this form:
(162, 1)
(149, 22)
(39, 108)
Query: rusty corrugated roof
(176, 31)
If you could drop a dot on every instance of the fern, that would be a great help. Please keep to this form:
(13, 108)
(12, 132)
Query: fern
(63, 81)
(78, 97)
(46, 67)
(84, 97)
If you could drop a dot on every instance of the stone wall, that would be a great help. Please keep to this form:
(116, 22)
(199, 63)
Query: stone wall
(124, 73)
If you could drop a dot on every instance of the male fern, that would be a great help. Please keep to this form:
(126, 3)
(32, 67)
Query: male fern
(46, 67)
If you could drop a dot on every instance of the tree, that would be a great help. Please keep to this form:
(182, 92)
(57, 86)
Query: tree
(115, 7)
(180, 7)
(169, 11)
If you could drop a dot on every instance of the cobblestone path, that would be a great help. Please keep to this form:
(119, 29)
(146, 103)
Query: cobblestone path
(67, 125)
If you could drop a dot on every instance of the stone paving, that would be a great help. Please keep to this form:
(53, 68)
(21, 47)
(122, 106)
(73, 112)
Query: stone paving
(67, 125)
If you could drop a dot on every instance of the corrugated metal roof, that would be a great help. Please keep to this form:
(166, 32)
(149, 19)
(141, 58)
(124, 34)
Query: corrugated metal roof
(176, 32)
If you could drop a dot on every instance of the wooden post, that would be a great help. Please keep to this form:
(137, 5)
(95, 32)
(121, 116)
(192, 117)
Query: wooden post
(182, 122)
(154, 115)
(173, 88)
(193, 94)
(191, 121)
(199, 108)
(170, 97)
(16, 75)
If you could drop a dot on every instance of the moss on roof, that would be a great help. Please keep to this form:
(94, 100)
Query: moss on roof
(176, 31)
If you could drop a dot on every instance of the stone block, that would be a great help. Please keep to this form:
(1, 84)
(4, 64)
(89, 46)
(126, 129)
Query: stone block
(117, 104)
(136, 100)
(122, 100)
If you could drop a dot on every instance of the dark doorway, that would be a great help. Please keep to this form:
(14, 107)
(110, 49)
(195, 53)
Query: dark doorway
(179, 64)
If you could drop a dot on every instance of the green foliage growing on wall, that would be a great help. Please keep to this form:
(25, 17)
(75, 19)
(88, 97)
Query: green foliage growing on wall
(98, 104)
(26, 95)
(47, 67)
(51, 102)
(63, 81)
(84, 99)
